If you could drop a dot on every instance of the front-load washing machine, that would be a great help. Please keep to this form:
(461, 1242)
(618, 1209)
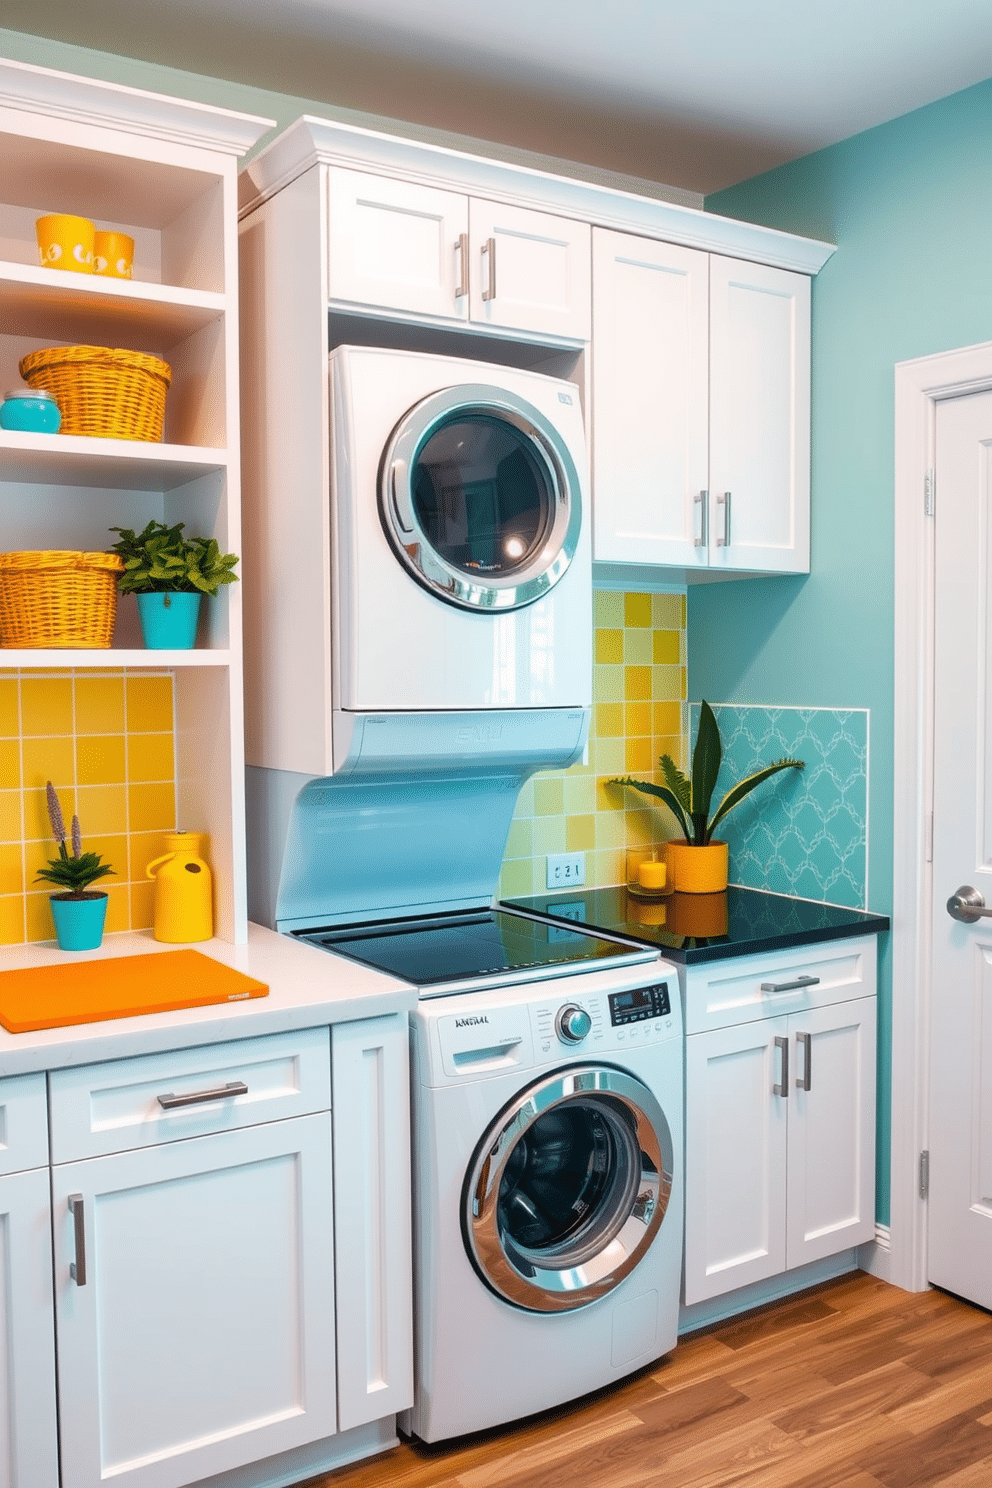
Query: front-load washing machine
(460, 543)
(547, 1194)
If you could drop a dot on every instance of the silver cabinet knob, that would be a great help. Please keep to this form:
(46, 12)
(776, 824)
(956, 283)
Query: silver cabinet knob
(967, 905)
(572, 1023)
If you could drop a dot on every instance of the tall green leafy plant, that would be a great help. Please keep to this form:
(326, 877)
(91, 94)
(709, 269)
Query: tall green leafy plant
(690, 799)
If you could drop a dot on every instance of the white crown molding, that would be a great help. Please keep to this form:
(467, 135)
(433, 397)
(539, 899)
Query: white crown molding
(312, 141)
(41, 90)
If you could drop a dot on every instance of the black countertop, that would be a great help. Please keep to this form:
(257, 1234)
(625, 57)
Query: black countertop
(692, 928)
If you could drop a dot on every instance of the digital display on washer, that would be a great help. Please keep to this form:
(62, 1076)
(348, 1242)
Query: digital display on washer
(639, 1003)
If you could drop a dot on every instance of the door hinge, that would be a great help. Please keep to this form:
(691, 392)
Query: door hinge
(929, 494)
(924, 1175)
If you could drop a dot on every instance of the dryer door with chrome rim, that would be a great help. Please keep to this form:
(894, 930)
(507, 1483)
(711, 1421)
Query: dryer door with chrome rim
(568, 1188)
(479, 498)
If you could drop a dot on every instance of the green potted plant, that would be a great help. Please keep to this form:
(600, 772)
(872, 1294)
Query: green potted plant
(699, 864)
(170, 574)
(79, 912)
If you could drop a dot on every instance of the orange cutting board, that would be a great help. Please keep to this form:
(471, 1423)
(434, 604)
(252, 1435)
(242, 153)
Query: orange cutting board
(119, 987)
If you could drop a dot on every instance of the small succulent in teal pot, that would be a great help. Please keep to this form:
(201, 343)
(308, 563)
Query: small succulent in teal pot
(78, 909)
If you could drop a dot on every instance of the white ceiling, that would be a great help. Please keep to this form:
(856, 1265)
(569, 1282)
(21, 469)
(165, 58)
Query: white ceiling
(695, 93)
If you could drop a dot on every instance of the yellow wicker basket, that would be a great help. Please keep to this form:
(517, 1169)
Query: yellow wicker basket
(58, 599)
(102, 392)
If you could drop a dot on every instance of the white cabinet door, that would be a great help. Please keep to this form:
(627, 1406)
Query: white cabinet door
(778, 1174)
(831, 1173)
(649, 401)
(197, 1333)
(735, 1155)
(28, 1453)
(759, 417)
(396, 245)
(370, 1062)
(529, 271)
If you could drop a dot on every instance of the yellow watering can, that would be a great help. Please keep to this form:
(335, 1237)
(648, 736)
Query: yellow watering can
(183, 890)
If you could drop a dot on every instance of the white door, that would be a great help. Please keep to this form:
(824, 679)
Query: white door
(736, 1127)
(831, 1182)
(759, 417)
(529, 270)
(960, 1135)
(396, 245)
(28, 1432)
(195, 1304)
(650, 419)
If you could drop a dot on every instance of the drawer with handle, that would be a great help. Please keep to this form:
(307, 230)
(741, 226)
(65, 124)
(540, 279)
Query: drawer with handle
(129, 1103)
(724, 993)
(23, 1123)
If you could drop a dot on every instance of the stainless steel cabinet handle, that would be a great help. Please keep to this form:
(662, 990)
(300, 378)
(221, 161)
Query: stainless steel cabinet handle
(967, 905)
(489, 249)
(806, 1040)
(803, 981)
(724, 501)
(703, 502)
(198, 1097)
(77, 1268)
(783, 1089)
(461, 288)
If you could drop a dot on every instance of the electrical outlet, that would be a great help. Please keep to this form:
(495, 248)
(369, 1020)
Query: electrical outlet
(565, 870)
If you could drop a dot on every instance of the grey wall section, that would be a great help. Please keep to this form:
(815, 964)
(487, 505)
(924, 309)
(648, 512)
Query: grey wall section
(285, 108)
(909, 205)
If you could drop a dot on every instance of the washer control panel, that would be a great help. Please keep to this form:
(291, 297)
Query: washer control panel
(639, 1004)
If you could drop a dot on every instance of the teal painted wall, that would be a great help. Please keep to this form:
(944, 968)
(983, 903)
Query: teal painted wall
(909, 205)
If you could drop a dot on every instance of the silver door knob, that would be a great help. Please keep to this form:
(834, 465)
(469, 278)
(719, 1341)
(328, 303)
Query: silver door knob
(572, 1023)
(967, 905)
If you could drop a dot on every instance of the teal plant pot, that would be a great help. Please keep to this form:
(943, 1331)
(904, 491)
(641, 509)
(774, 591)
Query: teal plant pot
(79, 922)
(168, 621)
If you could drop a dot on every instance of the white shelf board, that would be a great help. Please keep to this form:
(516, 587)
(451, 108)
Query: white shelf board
(87, 309)
(107, 659)
(105, 464)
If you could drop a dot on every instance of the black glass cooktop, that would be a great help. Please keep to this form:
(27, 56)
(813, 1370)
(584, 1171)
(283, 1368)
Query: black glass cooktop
(706, 927)
(484, 947)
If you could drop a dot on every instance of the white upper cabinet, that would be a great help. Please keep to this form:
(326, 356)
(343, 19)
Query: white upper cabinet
(650, 370)
(411, 249)
(700, 414)
(759, 418)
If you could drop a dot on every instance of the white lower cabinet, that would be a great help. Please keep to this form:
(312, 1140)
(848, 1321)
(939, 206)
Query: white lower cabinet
(197, 1333)
(780, 1114)
(205, 1318)
(28, 1442)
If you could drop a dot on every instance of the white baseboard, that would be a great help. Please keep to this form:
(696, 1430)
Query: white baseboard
(876, 1256)
(744, 1299)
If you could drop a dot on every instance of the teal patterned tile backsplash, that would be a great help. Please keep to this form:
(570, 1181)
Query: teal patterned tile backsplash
(805, 832)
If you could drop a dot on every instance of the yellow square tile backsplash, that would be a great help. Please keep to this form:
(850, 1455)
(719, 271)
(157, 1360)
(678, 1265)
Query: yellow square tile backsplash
(639, 713)
(106, 743)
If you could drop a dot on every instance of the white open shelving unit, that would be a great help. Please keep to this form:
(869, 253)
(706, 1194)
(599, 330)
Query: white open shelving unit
(164, 171)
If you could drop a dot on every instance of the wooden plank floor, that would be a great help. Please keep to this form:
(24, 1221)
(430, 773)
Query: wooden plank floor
(854, 1384)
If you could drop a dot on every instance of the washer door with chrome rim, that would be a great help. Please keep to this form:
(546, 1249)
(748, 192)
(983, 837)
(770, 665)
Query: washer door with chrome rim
(479, 498)
(568, 1188)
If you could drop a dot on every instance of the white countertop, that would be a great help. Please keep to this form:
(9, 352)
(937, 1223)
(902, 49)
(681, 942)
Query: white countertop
(307, 988)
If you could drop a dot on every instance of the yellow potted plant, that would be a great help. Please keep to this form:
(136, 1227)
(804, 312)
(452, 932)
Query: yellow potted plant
(699, 864)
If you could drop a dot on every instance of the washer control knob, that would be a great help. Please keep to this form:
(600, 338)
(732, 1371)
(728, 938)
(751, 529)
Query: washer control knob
(572, 1023)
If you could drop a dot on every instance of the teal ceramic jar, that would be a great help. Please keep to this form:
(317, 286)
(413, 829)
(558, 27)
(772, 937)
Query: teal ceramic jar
(31, 411)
